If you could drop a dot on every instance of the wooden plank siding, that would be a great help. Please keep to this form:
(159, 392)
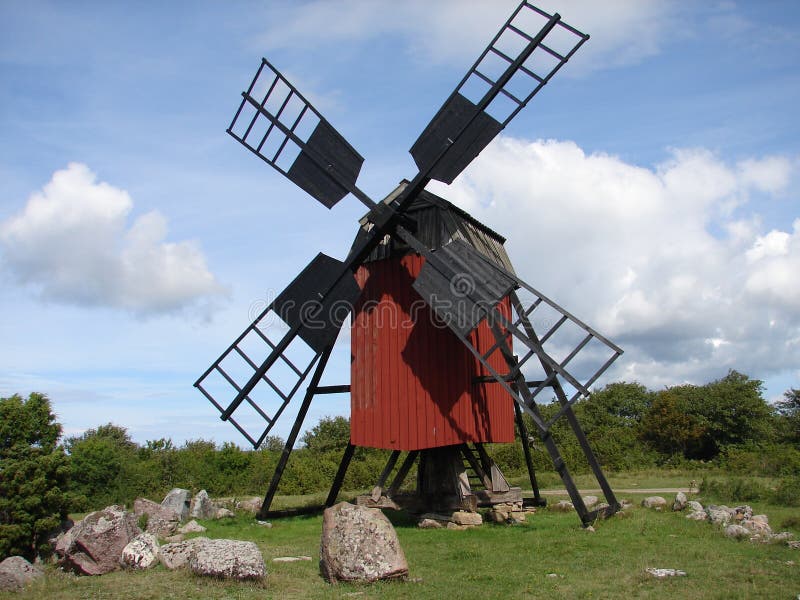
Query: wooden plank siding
(412, 380)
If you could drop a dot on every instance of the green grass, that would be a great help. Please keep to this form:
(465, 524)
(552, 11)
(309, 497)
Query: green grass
(493, 561)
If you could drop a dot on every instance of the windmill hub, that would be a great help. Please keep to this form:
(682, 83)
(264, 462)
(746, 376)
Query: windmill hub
(450, 348)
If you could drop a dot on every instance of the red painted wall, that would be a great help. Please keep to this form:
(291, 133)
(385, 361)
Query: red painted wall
(411, 382)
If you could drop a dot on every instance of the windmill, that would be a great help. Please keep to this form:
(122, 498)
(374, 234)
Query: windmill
(445, 379)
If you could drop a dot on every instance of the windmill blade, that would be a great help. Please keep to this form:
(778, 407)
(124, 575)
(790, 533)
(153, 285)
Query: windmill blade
(278, 124)
(313, 307)
(463, 287)
(510, 71)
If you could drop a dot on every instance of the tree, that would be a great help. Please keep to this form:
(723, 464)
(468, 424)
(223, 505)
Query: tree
(668, 427)
(104, 466)
(331, 433)
(788, 411)
(33, 476)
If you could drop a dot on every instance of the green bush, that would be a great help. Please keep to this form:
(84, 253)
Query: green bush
(735, 489)
(787, 493)
(33, 476)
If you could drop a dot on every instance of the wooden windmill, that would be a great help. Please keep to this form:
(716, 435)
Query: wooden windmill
(449, 346)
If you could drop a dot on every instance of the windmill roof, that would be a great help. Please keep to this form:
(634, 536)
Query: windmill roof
(438, 222)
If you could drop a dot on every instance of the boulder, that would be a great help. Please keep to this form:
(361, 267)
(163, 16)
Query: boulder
(694, 505)
(176, 555)
(759, 527)
(463, 517)
(429, 524)
(718, 515)
(697, 515)
(192, 527)
(359, 544)
(141, 552)
(590, 501)
(202, 507)
(562, 506)
(231, 559)
(93, 546)
(224, 513)
(178, 501)
(251, 505)
(655, 502)
(737, 532)
(161, 521)
(16, 573)
(680, 502)
(740, 513)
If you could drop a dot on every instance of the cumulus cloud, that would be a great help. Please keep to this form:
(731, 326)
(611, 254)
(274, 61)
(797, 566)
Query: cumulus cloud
(72, 243)
(653, 257)
(454, 31)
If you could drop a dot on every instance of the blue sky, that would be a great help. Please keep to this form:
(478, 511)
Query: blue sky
(650, 188)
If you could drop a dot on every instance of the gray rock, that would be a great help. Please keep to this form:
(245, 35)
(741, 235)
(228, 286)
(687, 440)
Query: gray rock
(161, 521)
(178, 501)
(718, 515)
(463, 517)
(359, 544)
(590, 501)
(176, 555)
(231, 559)
(680, 502)
(192, 527)
(93, 546)
(737, 532)
(740, 513)
(202, 507)
(224, 513)
(429, 524)
(141, 552)
(793, 545)
(656, 502)
(251, 505)
(172, 539)
(697, 515)
(562, 506)
(783, 536)
(662, 573)
(16, 573)
(760, 527)
(694, 505)
(456, 527)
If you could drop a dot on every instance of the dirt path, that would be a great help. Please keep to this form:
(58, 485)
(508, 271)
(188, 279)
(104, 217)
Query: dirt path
(562, 492)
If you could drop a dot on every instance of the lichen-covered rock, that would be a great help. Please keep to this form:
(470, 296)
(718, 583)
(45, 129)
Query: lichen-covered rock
(161, 521)
(697, 515)
(359, 544)
(429, 524)
(562, 506)
(680, 502)
(178, 501)
(231, 559)
(718, 515)
(202, 507)
(16, 573)
(93, 546)
(141, 552)
(176, 555)
(463, 517)
(656, 502)
(192, 527)
(694, 506)
(737, 532)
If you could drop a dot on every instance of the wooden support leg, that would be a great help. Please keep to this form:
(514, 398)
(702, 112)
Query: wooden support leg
(298, 423)
(337, 481)
(526, 449)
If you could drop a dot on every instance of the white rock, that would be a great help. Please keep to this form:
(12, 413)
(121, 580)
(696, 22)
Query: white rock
(228, 558)
(680, 502)
(224, 513)
(661, 573)
(590, 501)
(463, 517)
(141, 552)
(737, 532)
(654, 502)
(192, 527)
(694, 505)
(176, 555)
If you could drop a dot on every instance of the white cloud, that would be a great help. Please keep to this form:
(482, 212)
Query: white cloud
(631, 250)
(71, 242)
(454, 31)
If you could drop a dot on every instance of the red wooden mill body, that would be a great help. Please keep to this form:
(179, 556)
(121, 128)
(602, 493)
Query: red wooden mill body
(412, 381)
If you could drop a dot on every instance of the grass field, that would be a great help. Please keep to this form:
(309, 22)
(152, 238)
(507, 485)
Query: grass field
(548, 557)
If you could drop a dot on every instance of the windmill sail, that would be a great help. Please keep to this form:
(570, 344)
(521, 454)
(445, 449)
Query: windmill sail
(509, 72)
(278, 124)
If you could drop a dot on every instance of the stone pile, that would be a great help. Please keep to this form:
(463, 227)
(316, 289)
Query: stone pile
(738, 522)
